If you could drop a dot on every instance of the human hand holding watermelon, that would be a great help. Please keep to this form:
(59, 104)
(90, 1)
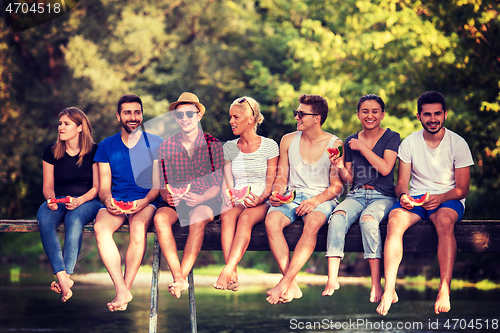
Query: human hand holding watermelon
(238, 196)
(177, 193)
(409, 202)
(123, 207)
(335, 152)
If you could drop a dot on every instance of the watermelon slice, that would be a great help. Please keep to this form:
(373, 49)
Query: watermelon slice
(285, 199)
(123, 206)
(238, 195)
(335, 152)
(179, 191)
(68, 199)
(420, 201)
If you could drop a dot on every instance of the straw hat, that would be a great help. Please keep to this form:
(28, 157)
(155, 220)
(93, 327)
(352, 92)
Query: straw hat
(187, 97)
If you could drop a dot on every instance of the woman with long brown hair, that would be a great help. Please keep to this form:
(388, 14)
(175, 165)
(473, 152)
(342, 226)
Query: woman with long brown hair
(69, 174)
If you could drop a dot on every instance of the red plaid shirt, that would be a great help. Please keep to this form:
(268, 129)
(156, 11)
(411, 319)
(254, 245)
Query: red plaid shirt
(203, 170)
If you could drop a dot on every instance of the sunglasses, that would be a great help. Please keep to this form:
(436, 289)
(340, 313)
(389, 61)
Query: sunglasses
(246, 100)
(301, 114)
(180, 114)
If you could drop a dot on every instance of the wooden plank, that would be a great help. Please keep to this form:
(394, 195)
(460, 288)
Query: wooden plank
(471, 235)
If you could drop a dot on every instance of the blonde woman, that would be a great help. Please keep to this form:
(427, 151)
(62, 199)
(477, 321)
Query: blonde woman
(250, 160)
(68, 170)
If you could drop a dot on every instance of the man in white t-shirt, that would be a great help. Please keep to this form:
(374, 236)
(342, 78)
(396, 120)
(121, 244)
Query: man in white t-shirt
(438, 162)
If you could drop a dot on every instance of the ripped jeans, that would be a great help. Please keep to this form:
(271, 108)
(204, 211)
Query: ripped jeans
(369, 207)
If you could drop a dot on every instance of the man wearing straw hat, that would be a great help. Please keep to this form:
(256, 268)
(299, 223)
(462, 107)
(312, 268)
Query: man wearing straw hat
(194, 161)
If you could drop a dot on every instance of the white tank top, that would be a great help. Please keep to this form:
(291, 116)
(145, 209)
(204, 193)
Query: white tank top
(313, 178)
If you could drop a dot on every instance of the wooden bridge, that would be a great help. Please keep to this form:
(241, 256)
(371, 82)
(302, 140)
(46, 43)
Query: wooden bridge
(471, 236)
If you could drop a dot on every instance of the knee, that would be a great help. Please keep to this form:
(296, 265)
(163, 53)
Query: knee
(445, 226)
(337, 216)
(312, 227)
(274, 226)
(368, 222)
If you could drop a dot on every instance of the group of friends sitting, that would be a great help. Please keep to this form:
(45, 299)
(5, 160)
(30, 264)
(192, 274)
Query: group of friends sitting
(310, 168)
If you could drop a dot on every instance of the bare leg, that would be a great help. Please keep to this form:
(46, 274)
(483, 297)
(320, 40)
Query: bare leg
(444, 220)
(399, 221)
(286, 289)
(164, 219)
(198, 219)
(139, 225)
(105, 225)
(376, 288)
(333, 273)
(248, 218)
(228, 230)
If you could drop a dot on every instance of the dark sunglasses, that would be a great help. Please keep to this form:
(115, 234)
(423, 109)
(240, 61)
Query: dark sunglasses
(302, 114)
(189, 114)
(246, 100)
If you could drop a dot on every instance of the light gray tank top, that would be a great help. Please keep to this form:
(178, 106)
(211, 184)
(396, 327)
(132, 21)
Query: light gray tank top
(313, 178)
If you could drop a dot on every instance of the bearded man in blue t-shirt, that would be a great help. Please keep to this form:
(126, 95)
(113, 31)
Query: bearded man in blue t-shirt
(126, 161)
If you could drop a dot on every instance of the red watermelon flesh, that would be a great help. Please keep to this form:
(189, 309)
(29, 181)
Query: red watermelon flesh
(68, 199)
(179, 191)
(420, 201)
(238, 195)
(123, 206)
(285, 199)
(335, 151)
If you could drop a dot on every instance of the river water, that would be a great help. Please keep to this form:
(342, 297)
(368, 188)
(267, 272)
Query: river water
(29, 306)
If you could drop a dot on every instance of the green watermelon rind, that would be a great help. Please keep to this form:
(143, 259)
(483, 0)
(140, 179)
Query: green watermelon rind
(178, 191)
(285, 200)
(420, 201)
(339, 148)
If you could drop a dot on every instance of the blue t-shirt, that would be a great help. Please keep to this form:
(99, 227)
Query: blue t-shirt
(131, 169)
(364, 173)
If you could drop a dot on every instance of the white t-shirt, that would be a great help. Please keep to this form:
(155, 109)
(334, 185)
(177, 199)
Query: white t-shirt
(433, 170)
(250, 168)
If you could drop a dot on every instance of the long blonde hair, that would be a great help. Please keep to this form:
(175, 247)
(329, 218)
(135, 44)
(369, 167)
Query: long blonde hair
(252, 107)
(85, 138)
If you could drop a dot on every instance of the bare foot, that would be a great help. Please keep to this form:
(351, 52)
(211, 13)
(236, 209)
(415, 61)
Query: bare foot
(277, 294)
(376, 293)
(223, 281)
(293, 292)
(120, 302)
(442, 303)
(386, 301)
(233, 285)
(331, 287)
(63, 286)
(177, 287)
(54, 286)
(283, 293)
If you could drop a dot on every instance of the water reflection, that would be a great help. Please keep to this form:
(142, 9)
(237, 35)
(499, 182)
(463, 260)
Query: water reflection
(32, 307)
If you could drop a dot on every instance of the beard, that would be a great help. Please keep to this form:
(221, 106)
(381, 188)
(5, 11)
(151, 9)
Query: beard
(433, 131)
(128, 128)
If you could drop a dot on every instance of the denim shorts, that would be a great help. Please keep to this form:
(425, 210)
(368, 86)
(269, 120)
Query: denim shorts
(424, 214)
(289, 209)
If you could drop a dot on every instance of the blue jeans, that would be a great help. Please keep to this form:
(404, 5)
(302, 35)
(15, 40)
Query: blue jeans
(359, 203)
(74, 220)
